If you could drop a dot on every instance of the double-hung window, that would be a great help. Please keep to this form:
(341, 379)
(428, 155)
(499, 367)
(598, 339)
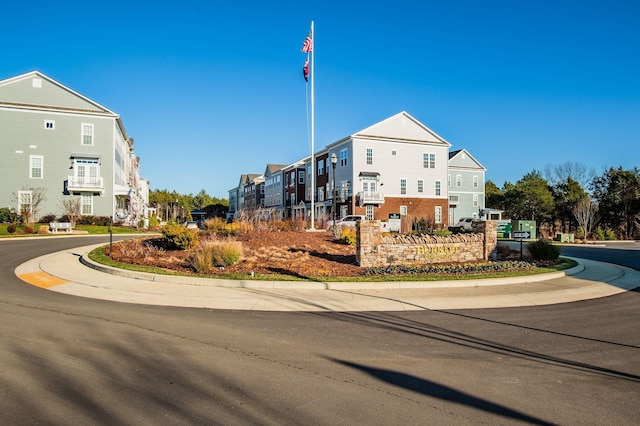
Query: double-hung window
(344, 157)
(87, 134)
(429, 160)
(86, 204)
(369, 155)
(36, 166)
(403, 186)
(438, 187)
(420, 185)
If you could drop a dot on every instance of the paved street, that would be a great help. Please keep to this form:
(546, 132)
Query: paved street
(68, 359)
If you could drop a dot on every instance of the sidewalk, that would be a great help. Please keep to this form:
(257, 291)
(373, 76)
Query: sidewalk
(71, 272)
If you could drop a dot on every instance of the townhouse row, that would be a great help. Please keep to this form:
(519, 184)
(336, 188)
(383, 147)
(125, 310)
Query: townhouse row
(57, 145)
(397, 168)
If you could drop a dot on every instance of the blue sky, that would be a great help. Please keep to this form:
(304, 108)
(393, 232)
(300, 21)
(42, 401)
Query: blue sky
(211, 90)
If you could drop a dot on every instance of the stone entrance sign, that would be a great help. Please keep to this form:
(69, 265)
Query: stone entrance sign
(375, 249)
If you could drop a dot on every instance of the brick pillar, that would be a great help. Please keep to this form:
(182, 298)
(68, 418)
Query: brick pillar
(490, 230)
(367, 240)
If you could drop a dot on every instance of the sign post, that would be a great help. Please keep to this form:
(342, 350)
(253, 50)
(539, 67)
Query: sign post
(521, 235)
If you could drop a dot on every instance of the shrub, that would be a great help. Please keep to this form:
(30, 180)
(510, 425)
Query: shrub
(599, 234)
(610, 235)
(215, 225)
(543, 250)
(348, 236)
(48, 218)
(153, 222)
(226, 253)
(11, 228)
(180, 237)
(28, 229)
(215, 253)
(580, 233)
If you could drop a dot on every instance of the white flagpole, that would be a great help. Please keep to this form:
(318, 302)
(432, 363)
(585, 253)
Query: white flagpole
(313, 163)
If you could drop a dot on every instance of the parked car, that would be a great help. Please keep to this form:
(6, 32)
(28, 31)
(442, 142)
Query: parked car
(349, 221)
(465, 223)
(191, 224)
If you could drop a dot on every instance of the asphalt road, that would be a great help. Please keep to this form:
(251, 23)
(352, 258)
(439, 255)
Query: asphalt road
(69, 360)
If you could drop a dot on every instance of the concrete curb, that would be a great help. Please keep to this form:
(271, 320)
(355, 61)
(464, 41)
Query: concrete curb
(319, 285)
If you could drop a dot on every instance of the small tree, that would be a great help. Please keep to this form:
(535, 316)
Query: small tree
(585, 213)
(30, 200)
(71, 206)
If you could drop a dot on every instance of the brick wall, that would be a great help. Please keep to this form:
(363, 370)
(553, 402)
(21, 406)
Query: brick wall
(416, 208)
(377, 249)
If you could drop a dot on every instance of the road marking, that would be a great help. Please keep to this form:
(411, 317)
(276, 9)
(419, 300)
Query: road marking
(41, 279)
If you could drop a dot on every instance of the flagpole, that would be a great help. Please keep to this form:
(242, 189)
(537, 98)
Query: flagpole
(313, 163)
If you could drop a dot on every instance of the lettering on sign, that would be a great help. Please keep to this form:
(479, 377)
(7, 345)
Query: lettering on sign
(432, 252)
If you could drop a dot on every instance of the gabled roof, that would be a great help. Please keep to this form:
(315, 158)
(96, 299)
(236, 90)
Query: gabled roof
(400, 127)
(463, 160)
(34, 90)
(273, 168)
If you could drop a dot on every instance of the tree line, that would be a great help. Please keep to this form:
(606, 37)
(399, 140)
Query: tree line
(175, 206)
(570, 198)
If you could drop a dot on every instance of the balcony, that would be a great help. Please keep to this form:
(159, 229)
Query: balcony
(85, 184)
(367, 197)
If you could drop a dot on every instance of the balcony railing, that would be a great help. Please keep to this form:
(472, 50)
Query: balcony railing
(85, 184)
(367, 197)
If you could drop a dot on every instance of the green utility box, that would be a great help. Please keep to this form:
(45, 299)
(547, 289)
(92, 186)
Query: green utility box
(524, 226)
(504, 229)
(565, 238)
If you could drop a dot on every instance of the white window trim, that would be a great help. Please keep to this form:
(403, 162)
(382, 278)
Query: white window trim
(475, 181)
(458, 181)
(30, 203)
(31, 168)
(369, 158)
(83, 198)
(438, 214)
(82, 134)
(49, 124)
(428, 156)
(403, 186)
(420, 186)
(437, 188)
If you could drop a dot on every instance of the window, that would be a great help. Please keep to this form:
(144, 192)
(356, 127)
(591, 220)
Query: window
(403, 210)
(449, 181)
(35, 167)
(369, 212)
(403, 186)
(438, 185)
(300, 176)
(321, 193)
(420, 185)
(24, 203)
(369, 155)
(292, 179)
(87, 134)
(86, 204)
(320, 167)
(459, 181)
(453, 198)
(344, 157)
(475, 181)
(429, 160)
(394, 152)
(49, 124)
(475, 200)
(438, 214)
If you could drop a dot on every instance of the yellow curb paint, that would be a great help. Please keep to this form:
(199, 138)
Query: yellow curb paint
(41, 279)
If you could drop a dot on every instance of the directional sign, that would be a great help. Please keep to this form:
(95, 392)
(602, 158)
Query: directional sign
(521, 234)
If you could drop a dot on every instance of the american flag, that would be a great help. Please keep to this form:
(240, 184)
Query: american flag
(305, 70)
(307, 44)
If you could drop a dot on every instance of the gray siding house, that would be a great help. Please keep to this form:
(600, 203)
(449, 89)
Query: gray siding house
(466, 186)
(57, 144)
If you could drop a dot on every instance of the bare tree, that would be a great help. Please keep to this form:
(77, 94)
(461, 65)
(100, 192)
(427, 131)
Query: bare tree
(30, 200)
(71, 206)
(585, 213)
(560, 173)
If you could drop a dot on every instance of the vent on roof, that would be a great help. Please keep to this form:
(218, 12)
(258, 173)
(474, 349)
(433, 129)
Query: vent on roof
(36, 82)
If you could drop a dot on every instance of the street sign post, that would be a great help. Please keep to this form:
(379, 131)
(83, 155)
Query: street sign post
(521, 235)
